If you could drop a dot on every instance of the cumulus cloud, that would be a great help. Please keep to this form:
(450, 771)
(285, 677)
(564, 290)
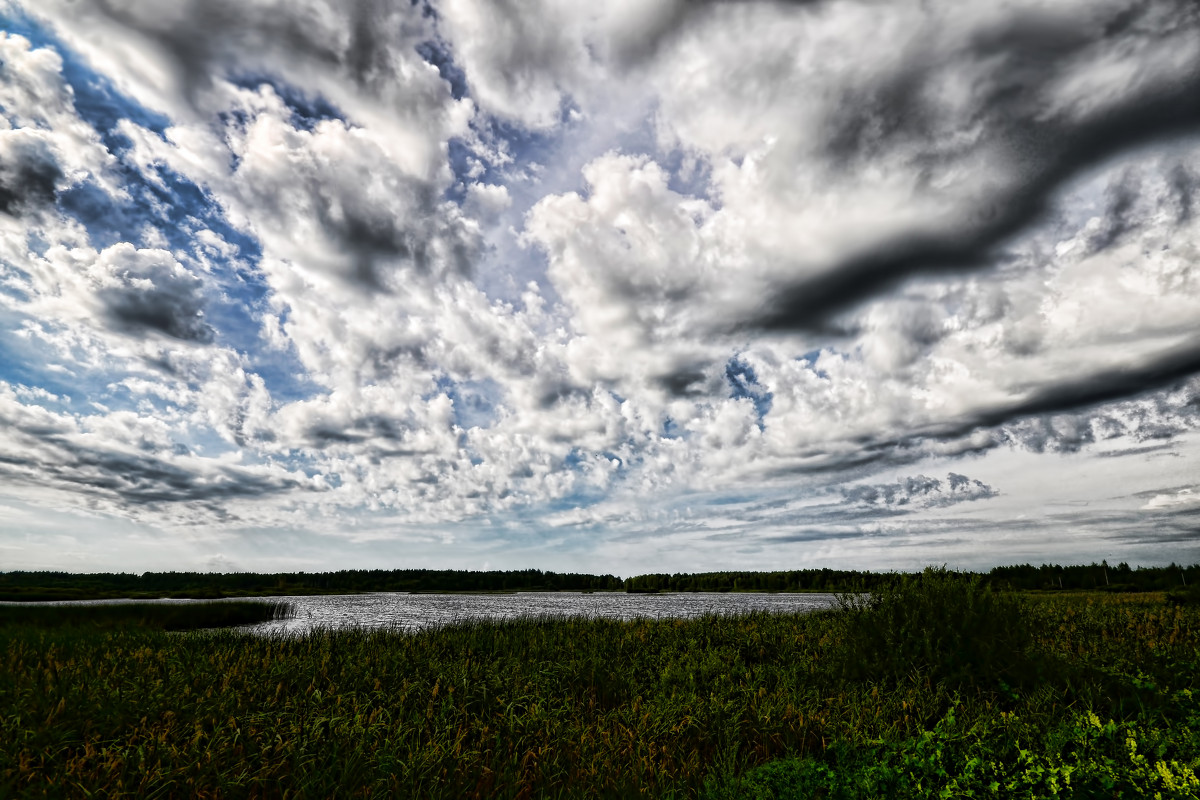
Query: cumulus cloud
(920, 491)
(29, 174)
(640, 275)
(44, 146)
(149, 291)
(124, 461)
(925, 155)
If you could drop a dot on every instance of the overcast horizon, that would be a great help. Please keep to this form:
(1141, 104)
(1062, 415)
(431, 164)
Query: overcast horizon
(652, 286)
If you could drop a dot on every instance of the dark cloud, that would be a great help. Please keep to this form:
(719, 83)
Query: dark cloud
(373, 215)
(207, 37)
(1161, 449)
(147, 480)
(920, 491)
(29, 175)
(373, 431)
(1153, 373)
(1183, 184)
(1160, 399)
(1046, 149)
(132, 479)
(154, 296)
(561, 392)
(367, 211)
(1118, 218)
(371, 234)
(690, 381)
(1061, 417)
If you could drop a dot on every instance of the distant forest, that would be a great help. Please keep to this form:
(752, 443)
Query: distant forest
(79, 586)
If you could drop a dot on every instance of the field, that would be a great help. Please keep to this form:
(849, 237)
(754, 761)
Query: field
(935, 687)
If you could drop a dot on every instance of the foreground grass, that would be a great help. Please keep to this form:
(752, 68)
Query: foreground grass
(936, 687)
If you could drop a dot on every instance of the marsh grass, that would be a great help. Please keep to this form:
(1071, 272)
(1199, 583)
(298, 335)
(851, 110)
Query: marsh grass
(1085, 697)
(160, 616)
(947, 628)
(722, 707)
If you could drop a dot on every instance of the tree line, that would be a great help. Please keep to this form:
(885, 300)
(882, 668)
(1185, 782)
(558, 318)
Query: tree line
(22, 585)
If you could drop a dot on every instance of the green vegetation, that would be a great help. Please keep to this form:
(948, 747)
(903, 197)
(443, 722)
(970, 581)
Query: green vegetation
(935, 686)
(74, 586)
(1074, 696)
(17, 586)
(160, 616)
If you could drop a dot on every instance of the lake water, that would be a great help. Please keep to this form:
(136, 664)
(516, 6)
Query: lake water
(417, 611)
(413, 612)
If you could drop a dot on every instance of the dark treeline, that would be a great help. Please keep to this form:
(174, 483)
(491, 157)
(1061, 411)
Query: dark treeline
(1023, 577)
(1117, 578)
(67, 585)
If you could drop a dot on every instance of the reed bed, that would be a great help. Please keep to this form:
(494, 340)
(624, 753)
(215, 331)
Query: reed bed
(161, 616)
(944, 699)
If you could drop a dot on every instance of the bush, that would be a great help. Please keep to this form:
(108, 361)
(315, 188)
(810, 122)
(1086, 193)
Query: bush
(940, 626)
(1189, 596)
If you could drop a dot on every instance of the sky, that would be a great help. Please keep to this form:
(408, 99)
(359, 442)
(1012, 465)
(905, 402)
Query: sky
(618, 287)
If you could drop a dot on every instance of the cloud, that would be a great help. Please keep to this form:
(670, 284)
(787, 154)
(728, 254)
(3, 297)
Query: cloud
(920, 491)
(859, 166)
(333, 196)
(148, 290)
(29, 174)
(361, 57)
(1182, 500)
(124, 462)
(623, 277)
(44, 146)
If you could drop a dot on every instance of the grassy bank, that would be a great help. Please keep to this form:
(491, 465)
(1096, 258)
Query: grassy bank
(144, 616)
(936, 687)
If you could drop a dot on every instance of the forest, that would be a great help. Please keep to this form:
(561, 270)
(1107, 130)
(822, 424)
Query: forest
(42, 586)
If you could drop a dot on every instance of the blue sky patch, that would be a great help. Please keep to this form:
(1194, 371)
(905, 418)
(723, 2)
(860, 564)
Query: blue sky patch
(308, 109)
(438, 54)
(743, 383)
(97, 101)
(474, 401)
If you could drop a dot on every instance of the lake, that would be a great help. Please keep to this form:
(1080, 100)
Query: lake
(417, 611)
(412, 612)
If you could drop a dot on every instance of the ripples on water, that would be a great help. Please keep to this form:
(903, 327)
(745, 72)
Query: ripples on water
(411, 612)
(418, 611)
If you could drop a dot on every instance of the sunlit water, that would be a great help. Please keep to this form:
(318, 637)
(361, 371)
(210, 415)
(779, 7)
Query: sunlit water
(412, 612)
(416, 611)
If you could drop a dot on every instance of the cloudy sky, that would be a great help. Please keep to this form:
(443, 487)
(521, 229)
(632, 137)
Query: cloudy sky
(629, 286)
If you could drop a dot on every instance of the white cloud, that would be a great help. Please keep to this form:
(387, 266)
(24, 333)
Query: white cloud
(668, 271)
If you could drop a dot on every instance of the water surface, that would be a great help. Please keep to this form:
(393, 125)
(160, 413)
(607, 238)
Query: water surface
(417, 611)
(412, 612)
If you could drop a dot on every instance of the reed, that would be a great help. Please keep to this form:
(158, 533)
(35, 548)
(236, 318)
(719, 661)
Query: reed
(162, 616)
(600, 708)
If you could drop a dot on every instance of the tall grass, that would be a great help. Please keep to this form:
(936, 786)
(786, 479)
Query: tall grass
(1065, 697)
(162, 616)
(942, 627)
(597, 708)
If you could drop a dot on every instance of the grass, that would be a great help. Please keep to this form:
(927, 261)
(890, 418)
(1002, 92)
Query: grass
(935, 686)
(154, 616)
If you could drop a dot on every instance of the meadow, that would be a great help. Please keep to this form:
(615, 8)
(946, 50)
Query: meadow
(935, 685)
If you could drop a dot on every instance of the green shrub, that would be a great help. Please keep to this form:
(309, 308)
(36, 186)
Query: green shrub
(940, 626)
(1189, 596)
(1004, 757)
